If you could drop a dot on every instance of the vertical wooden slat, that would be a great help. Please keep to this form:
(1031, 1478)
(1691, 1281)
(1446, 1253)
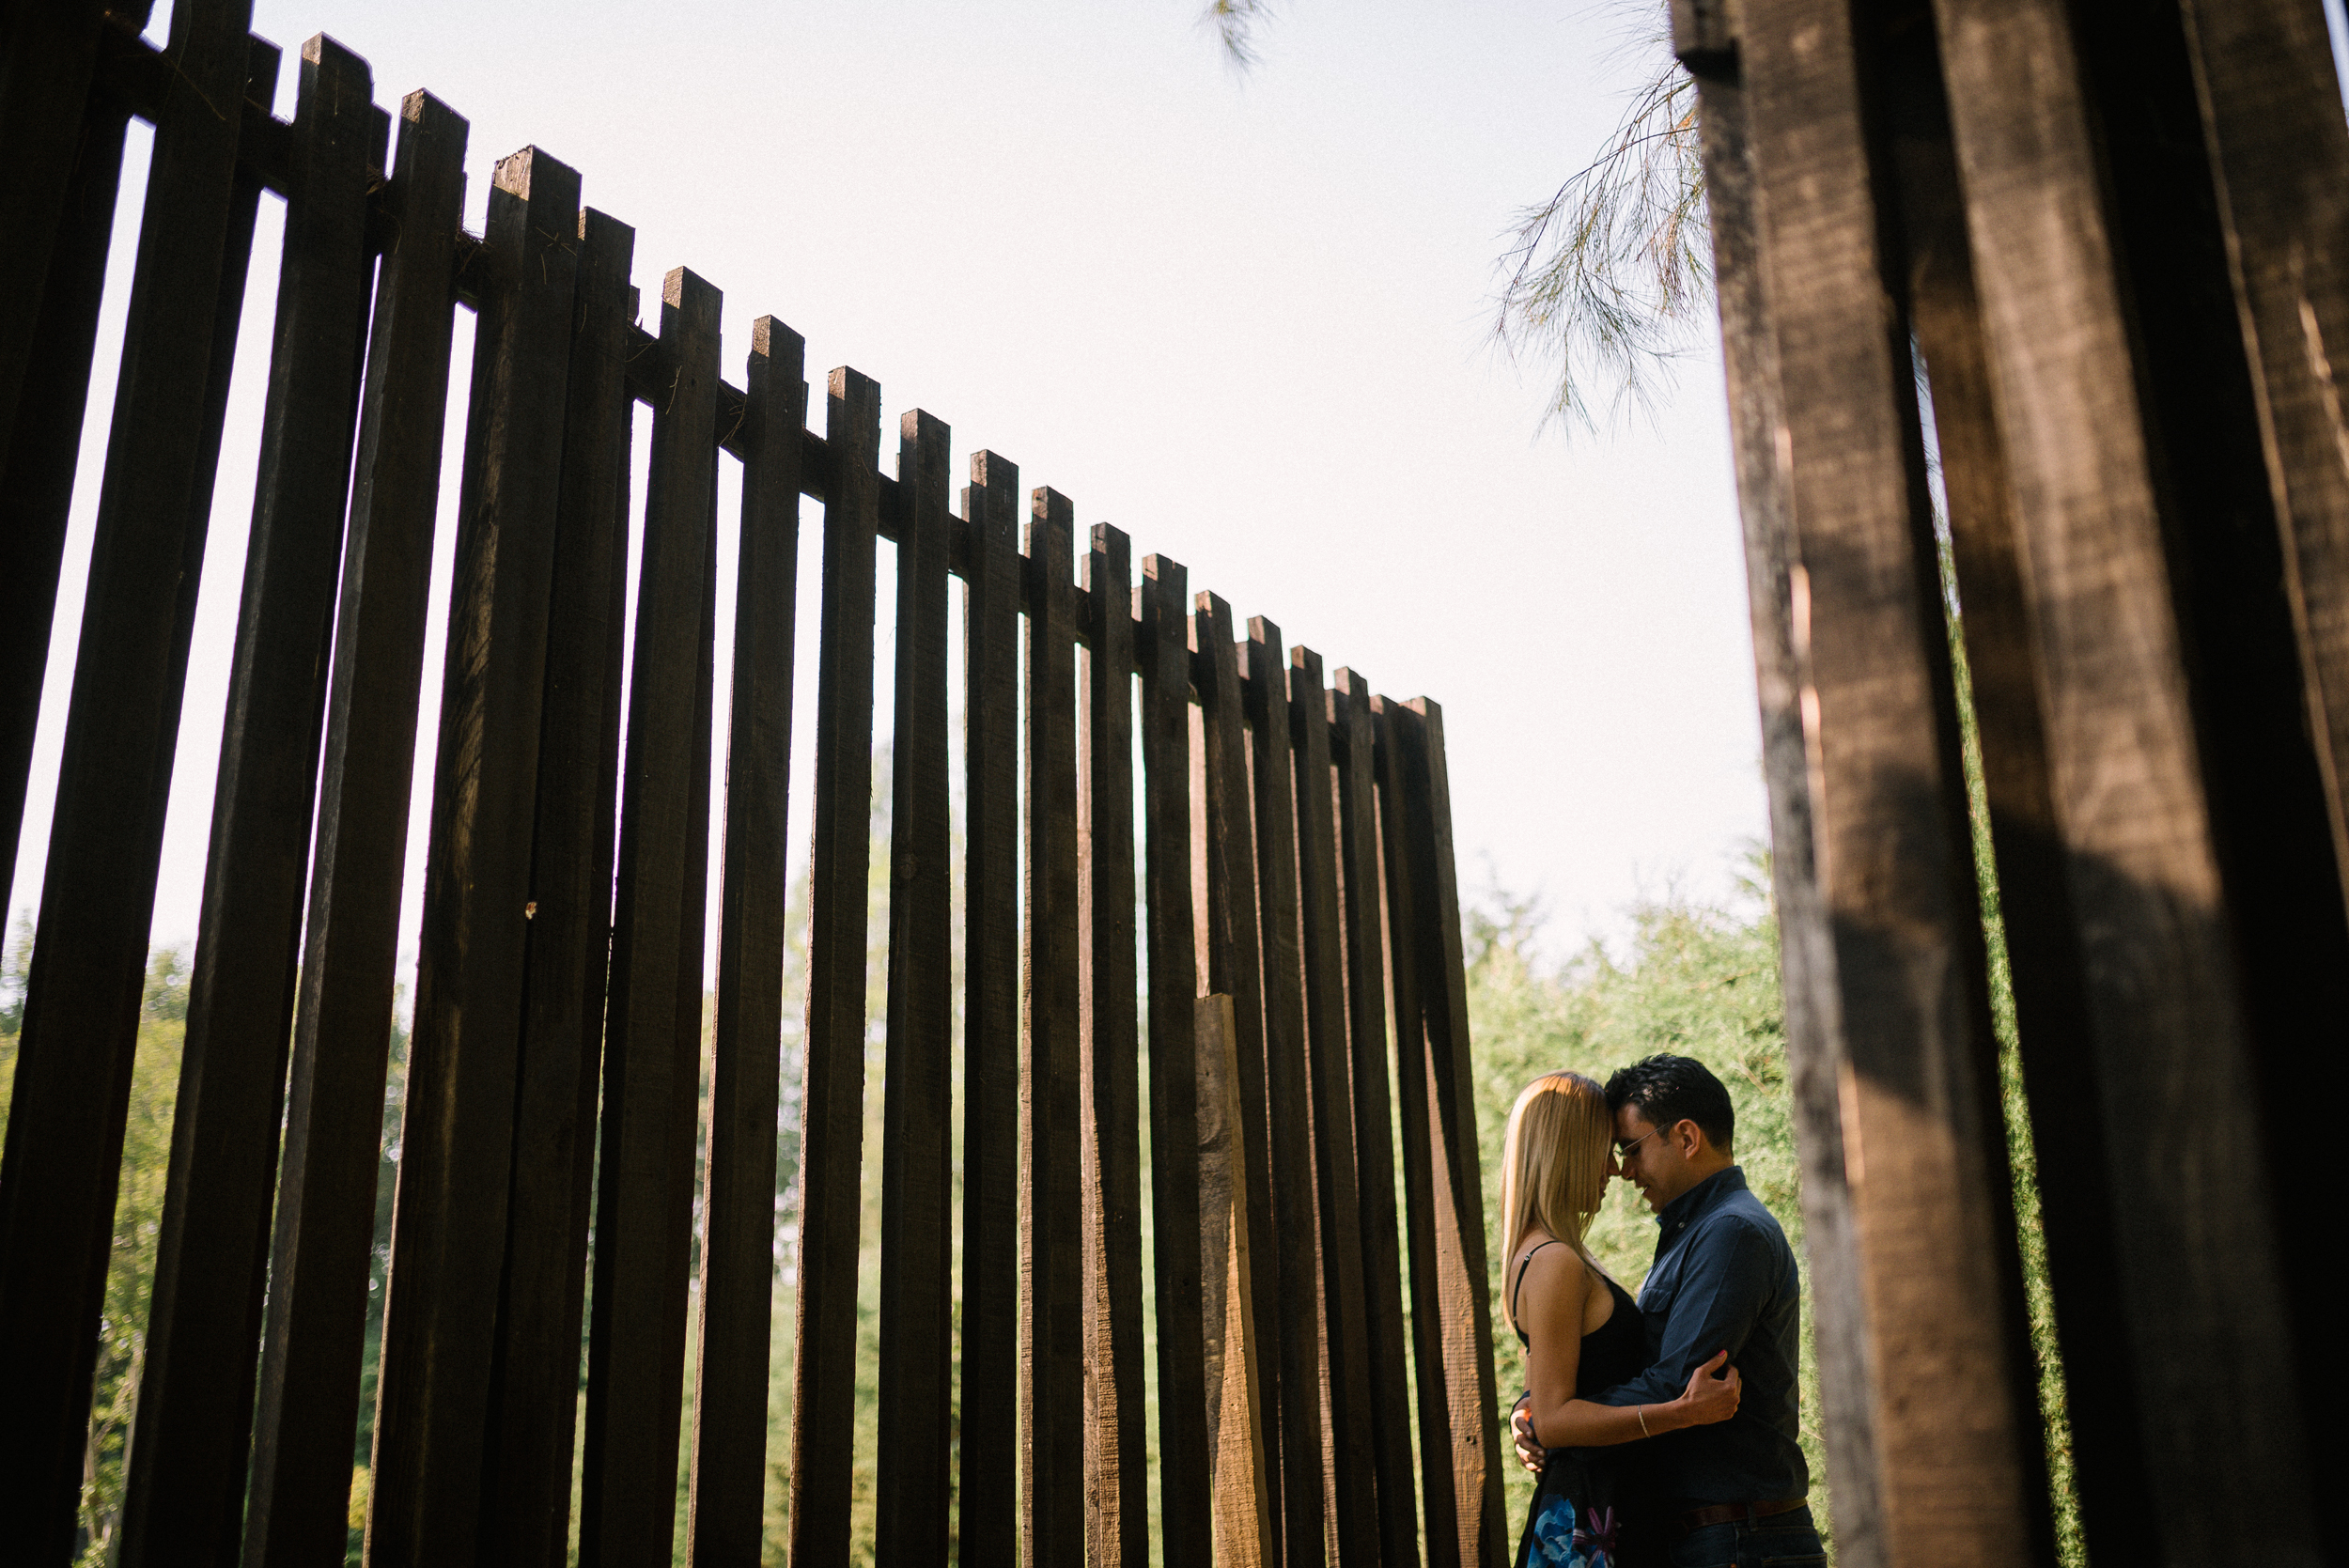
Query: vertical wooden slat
(1052, 1327)
(448, 1228)
(1117, 1506)
(1227, 845)
(49, 339)
(2189, 804)
(833, 1101)
(1384, 1334)
(730, 1362)
(1459, 1201)
(64, 1148)
(1440, 1500)
(652, 1054)
(318, 1299)
(534, 1394)
(1293, 1239)
(988, 1529)
(1245, 1529)
(1185, 1477)
(45, 117)
(1327, 1043)
(917, 1140)
(182, 1484)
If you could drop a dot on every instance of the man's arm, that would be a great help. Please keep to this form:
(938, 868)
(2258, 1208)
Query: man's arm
(1723, 1286)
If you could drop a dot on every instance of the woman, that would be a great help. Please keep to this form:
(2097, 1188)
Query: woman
(1581, 1331)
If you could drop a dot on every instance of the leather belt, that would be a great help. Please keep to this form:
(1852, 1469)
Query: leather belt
(1734, 1513)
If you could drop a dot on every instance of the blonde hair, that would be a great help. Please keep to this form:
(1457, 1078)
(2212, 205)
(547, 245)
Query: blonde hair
(1553, 1168)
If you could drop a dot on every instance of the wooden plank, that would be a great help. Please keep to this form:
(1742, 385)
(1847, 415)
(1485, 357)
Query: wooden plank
(2193, 817)
(59, 1175)
(46, 117)
(2258, 78)
(917, 1139)
(1226, 849)
(204, 1321)
(652, 1053)
(730, 1363)
(987, 1529)
(1186, 1477)
(1245, 1530)
(1463, 1291)
(1347, 1358)
(1052, 1326)
(1438, 1495)
(318, 1303)
(832, 1099)
(1806, 962)
(1293, 1239)
(448, 1227)
(1117, 1504)
(1385, 1334)
(40, 444)
(534, 1401)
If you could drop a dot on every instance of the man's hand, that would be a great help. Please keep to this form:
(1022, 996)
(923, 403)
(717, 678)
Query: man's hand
(1530, 1453)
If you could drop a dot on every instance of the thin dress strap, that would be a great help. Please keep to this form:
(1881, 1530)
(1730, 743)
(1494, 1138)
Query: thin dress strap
(1517, 1289)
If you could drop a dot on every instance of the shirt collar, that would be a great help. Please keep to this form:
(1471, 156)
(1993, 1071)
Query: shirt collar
(1674, 1216)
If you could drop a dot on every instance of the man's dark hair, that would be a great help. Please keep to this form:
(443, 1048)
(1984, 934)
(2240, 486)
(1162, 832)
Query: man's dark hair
(1669, 1089)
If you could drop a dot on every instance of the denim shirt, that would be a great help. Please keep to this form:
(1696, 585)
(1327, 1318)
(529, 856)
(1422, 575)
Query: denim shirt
(1724, 1279)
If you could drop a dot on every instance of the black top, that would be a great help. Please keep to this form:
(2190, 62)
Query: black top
(1613, 1352)
(1725, 1279)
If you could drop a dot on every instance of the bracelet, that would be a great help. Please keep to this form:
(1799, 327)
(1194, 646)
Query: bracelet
(1641, 1411)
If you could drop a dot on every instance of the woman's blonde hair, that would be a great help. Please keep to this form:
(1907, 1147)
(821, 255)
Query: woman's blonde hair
(1553, 1168)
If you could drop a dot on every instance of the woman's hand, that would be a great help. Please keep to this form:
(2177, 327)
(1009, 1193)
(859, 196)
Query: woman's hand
(1708, 1398)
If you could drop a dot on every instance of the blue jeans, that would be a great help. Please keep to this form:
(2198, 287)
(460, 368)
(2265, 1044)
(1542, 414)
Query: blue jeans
(1787, 1539)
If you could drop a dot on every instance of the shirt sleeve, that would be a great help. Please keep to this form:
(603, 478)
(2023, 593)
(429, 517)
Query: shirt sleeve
(1723, 1292)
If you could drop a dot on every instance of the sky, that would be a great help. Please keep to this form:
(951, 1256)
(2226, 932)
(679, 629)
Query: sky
(1245, 317)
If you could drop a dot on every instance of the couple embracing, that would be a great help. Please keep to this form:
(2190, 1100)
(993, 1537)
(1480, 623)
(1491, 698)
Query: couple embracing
(1663, 1429)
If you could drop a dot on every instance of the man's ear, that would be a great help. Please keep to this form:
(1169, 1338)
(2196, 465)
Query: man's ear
(1690, 1138)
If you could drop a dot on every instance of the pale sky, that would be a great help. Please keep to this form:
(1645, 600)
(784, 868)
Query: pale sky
(1245, 319)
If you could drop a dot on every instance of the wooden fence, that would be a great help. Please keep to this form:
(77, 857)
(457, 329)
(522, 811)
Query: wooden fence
(1294, 862)
(2112, 244)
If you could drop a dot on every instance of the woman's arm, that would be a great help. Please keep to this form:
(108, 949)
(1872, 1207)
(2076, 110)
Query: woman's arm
(1551, 1304)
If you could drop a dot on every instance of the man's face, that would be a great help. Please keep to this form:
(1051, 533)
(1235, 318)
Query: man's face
(1650, 1157)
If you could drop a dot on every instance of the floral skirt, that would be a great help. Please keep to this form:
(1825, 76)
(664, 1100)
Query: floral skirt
(1574, 1522)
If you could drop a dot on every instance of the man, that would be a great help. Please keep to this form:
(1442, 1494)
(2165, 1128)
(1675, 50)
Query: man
(1724, 1279)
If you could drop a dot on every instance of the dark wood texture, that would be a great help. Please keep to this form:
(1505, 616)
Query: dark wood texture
(1051, 1326)
(730, 1361)
(49, 342)
(1116, 1441)
(1346, 1364)
(1385, 1345)
(1293, 1239)
(1246, 1531)
(2193, 824)
(1806, 966)
(917, 1138)
(988, 1530)
(46, 77)
(1186, 1477)
(653, 1050)
(318, 1302)
(533, 1396)
(182, 1484)
(1226, 848)
(1462, 1292)
(832, 1098)
(2278, 163)
(1438, 1494)
(63, 1149)
(448, 1229)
